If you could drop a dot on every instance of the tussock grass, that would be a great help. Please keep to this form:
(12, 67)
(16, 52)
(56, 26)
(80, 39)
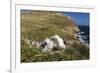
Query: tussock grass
(69, 54)
(38, 25)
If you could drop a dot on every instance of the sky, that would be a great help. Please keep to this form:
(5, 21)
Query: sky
(79, 18)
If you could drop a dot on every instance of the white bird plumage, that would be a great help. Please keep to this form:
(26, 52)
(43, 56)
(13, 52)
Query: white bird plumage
(60, 41)
(49, 45)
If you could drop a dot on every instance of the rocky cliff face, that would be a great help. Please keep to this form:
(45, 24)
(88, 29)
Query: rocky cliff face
(41, 24)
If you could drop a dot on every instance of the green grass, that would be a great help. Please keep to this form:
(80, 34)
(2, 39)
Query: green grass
(75, 52)
(38, 25)
(36, 55)
(46, 24)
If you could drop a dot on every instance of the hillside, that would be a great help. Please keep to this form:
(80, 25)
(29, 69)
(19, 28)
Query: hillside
(45, 24)
(38, 25)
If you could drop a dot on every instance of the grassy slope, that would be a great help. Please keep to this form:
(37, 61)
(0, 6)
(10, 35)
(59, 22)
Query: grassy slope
(45, 24)
(39, 25)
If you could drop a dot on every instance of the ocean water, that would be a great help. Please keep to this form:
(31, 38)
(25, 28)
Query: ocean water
(86, 33)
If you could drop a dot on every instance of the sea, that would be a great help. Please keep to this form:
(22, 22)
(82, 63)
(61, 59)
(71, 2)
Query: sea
(85, 33)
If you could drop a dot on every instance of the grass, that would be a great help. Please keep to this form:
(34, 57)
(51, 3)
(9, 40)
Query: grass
(46, 24)
(38, 25)
(36, 55)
